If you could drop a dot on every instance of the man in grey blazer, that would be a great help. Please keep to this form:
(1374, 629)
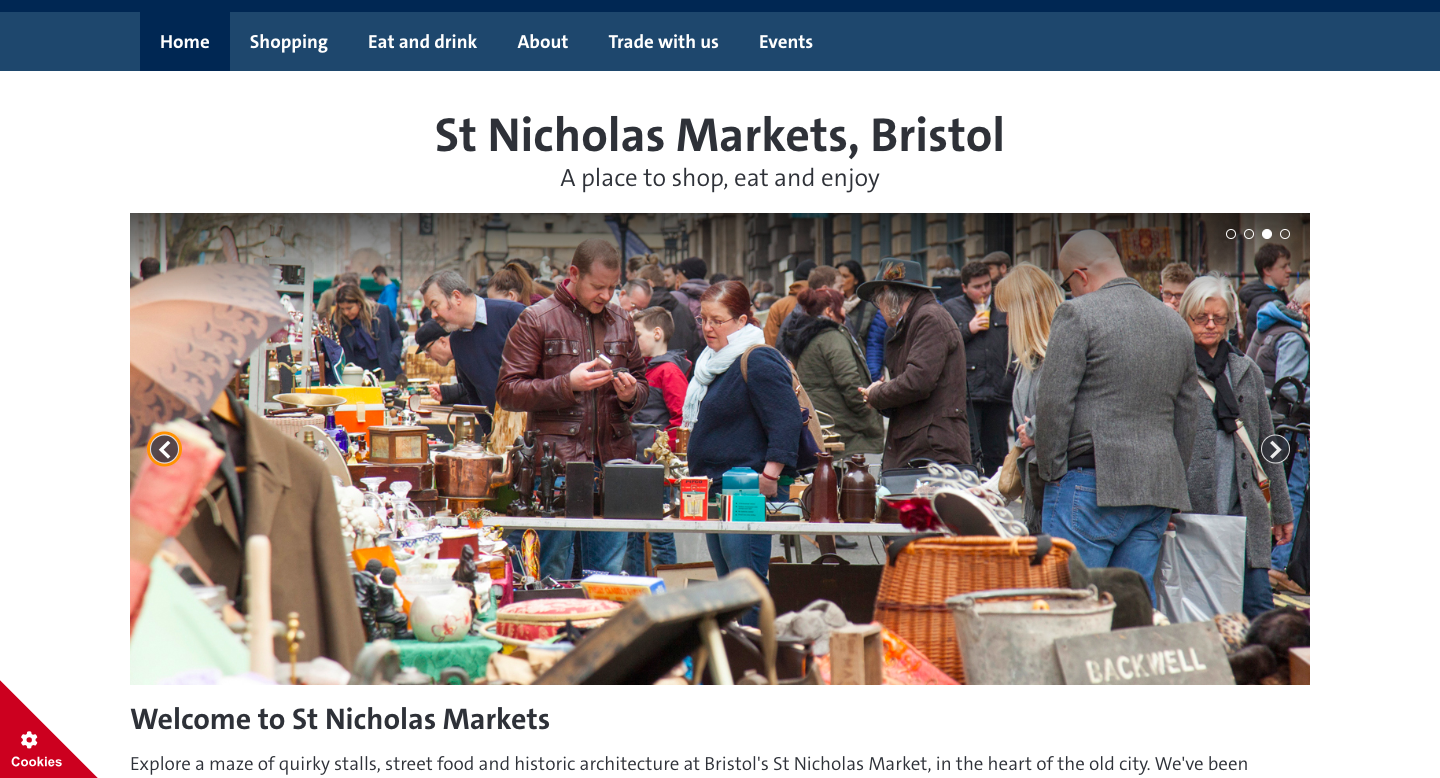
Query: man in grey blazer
(1115, 413)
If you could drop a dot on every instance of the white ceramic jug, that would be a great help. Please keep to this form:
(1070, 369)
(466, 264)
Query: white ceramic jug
(441, 618)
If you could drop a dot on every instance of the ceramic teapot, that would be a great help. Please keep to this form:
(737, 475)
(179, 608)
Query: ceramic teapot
(441, 618)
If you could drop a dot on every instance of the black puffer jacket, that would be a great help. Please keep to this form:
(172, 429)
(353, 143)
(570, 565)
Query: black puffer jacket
(987, 352)
(1253, 296)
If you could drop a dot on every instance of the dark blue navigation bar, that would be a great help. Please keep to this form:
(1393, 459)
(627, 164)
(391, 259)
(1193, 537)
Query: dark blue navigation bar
(701, 41)
(43, 40)
(835, 41)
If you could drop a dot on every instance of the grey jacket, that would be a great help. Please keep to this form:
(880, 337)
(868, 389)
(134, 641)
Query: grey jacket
(1120, 379)
(1249, 385)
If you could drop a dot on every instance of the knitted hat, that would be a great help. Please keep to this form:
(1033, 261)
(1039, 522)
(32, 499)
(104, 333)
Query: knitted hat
(693, 268)
(802, 270)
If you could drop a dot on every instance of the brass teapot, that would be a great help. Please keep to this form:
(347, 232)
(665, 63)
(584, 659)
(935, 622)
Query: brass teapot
(469, 470)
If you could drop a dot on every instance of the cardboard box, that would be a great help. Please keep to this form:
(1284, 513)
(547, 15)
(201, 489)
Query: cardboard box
(621, 588)
(1300, 666)
(742, 507)
(694, 494)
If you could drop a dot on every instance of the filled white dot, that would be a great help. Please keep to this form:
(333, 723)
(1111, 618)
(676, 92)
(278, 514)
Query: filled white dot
(1265, 234)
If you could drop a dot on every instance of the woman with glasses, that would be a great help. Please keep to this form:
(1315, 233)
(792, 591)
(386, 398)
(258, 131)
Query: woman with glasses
(1225, 474)
(740, 421)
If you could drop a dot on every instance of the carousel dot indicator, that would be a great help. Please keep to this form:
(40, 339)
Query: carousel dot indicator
(1266, 234)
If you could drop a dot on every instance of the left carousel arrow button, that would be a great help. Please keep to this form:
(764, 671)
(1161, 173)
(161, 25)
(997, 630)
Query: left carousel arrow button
(164, 448)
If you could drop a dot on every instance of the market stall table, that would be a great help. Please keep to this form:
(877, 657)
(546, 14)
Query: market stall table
(676, 525)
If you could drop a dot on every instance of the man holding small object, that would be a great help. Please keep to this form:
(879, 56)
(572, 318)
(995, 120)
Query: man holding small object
(572, 363)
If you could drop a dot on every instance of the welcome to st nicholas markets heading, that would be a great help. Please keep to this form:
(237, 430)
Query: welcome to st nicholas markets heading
(707, 135)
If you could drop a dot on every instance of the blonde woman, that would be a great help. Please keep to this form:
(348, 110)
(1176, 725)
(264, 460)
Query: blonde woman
(1029, 298)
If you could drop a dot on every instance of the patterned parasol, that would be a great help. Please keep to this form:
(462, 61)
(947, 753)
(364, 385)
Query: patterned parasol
(189, 328)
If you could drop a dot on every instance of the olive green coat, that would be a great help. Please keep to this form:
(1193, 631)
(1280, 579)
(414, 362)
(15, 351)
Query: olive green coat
(832, 370)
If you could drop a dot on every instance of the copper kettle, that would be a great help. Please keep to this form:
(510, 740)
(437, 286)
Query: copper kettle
(468, 470)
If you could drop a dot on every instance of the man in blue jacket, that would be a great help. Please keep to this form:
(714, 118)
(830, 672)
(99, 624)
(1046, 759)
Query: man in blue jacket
(389, 290)
(478, 328)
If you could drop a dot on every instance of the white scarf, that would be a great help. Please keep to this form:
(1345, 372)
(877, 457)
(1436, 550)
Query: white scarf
(712, 364)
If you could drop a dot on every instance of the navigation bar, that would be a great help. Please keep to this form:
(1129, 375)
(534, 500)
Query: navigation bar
(715, 41)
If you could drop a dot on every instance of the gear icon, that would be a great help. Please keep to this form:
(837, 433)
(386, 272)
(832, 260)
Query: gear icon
(28, 740)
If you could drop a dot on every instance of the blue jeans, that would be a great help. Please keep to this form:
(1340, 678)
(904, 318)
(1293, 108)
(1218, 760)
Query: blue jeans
(733, 552)
(1299, 479)
(599, 551)
(1257, 597)
(662, 551)
(1114, 536)
(602, 552)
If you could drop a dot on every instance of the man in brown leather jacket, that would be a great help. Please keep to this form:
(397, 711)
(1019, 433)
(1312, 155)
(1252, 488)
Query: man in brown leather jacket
(553, 370)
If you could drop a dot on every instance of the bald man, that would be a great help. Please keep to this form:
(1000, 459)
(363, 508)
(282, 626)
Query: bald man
(1115, 413)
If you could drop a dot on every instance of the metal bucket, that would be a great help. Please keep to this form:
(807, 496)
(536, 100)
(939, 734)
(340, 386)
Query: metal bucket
(1012, 641)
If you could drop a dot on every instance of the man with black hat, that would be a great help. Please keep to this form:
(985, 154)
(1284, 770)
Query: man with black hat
(925, 396)
(434, 342)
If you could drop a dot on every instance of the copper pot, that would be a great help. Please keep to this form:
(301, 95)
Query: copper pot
(468, 470)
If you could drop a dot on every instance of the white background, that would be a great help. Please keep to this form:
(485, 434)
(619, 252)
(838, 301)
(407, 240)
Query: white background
(83, 151)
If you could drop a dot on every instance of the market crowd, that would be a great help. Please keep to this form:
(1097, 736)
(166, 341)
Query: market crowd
(1116, 408)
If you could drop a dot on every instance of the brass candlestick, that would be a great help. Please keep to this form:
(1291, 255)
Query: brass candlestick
(293, 636)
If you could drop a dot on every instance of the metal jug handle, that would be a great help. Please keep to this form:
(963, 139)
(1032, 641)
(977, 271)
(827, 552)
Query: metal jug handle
(474, 411)
(453, 420)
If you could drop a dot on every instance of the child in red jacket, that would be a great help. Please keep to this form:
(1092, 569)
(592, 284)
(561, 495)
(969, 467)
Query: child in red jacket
(668, 373)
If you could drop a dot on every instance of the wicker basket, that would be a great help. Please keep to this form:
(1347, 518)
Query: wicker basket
(911, 600)
(295, 425)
